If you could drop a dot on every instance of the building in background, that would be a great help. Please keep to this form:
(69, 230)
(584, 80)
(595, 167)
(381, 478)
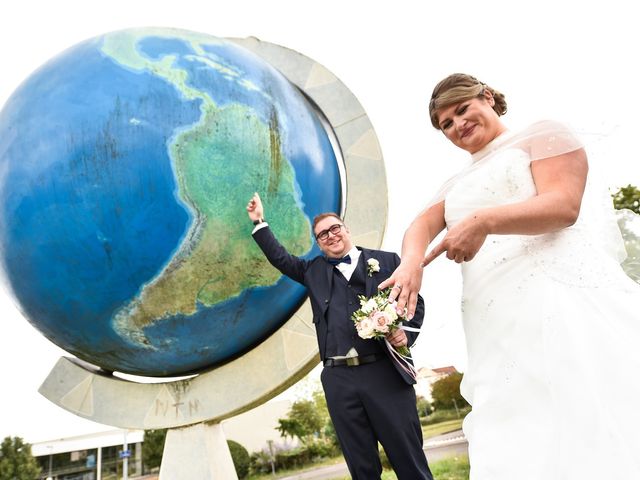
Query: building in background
(91, 457)
(101, 455)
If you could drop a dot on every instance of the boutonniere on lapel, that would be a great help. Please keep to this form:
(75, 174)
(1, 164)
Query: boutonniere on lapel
(373, 266)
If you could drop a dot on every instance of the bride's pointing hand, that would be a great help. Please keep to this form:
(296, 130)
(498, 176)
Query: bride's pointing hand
(462, 242)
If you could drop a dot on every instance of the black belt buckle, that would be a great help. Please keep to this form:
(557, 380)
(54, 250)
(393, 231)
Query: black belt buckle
(353, 361)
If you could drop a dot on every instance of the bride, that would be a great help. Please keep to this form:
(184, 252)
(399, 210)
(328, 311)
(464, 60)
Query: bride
(551, 320)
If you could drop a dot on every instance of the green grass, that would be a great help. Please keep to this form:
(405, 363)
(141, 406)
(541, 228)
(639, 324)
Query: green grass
(285, 473)
(454, 468)
(429, 431)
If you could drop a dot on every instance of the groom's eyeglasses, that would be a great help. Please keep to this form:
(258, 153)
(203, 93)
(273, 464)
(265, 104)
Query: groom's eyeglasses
(324, 234)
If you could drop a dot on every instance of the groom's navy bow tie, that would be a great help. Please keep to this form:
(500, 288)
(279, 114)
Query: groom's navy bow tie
(336, 261)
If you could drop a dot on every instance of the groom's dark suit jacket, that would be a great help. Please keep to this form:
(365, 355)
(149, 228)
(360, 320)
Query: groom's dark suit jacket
(318, 276)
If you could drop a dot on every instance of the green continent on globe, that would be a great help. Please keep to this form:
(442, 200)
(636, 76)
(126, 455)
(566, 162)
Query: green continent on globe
(218, 162)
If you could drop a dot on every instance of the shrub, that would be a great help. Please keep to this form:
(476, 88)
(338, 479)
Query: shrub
(423, 406)
(331, 435)
(293, 458)
(442, 415)
(260, 462)
(319, 449)
(153, 447)
(241, 459)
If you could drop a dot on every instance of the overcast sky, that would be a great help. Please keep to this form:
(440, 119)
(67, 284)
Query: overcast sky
(573, 61)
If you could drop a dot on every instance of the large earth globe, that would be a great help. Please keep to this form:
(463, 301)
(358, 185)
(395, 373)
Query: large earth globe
(126, 163)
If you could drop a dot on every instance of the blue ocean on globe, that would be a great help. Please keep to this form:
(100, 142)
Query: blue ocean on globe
(126, 163)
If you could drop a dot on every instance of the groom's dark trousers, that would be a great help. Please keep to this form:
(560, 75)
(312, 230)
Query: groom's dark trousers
(373, 401)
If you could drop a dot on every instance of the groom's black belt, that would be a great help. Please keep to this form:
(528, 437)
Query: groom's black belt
(353, 361)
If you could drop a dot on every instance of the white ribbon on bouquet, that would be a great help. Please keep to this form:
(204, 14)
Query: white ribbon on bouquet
(400, 359)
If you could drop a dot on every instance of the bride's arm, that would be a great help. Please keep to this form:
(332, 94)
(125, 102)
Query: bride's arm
(560, 183)
(424, 228)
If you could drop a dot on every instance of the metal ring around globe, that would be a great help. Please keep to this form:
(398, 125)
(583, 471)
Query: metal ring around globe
(288, 354)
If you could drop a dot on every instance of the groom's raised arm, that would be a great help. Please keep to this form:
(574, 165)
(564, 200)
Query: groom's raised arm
(278, 256)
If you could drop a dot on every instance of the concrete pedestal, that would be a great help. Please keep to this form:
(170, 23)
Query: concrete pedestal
(197, 451)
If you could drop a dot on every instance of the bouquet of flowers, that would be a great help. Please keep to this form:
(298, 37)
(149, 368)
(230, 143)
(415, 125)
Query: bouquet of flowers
(377, 317)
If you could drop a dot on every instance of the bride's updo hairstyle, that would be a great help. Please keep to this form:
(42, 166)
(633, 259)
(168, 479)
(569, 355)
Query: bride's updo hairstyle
(459, 87)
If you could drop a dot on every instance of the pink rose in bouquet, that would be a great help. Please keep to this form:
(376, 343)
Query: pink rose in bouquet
(377, 317)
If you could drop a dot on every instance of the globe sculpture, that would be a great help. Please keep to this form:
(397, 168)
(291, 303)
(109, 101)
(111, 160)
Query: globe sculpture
(127, 162)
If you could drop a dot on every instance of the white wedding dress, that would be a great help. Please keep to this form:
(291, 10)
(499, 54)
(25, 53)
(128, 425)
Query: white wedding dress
(552, 326)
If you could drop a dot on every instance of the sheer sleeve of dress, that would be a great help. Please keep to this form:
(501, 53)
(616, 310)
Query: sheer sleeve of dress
(618, 231)
(546, 139)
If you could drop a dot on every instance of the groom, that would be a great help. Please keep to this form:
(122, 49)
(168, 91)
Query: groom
(369, 396)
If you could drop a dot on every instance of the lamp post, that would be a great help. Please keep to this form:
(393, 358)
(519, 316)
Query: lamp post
(125, 461)
(455, 404)
(50, 447)
(272, 457)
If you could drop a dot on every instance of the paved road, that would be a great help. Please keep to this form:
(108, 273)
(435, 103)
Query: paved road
(436, 448)
(337, 471)
(446, 445)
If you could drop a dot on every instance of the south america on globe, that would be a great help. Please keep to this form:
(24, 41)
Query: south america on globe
(126, 163)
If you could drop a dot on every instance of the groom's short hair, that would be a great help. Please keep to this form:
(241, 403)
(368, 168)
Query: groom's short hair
(322, 216)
